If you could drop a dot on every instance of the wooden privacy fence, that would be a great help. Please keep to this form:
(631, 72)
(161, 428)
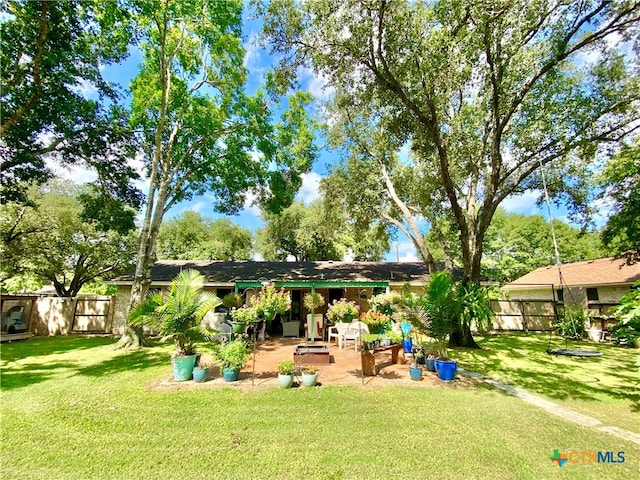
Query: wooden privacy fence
(523, 315)
(62, 316)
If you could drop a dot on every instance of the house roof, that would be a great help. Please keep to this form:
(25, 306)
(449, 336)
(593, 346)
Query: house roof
(603, 271)
(221, 273)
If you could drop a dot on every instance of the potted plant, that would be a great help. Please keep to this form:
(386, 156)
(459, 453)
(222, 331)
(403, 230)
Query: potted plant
(393, 337)
(232, 300)
(200, 371)
(177, 315)
(313, 301)
(376, 321)
(285, 373)
(415, 369)
(309, 375)
(342, 311)
(243, 316)
(441, 306)
(271, 301)
(368, 341)
(232, 356)
(430, 358)
(386, 303)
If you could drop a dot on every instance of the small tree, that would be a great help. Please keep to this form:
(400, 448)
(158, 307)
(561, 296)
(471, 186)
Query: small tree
(177, 315)
(441, 304)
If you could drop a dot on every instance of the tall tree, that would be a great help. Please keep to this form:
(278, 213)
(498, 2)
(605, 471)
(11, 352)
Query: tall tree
(621, 182)
(51, 55)
(51, 240)
(200, 132)
(486, 92)
(194, 237)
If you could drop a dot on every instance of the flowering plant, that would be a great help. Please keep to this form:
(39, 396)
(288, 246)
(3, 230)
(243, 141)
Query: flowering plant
(270, 299)
(244, 314)
(343, 310)
(376, 321)
(385, 302)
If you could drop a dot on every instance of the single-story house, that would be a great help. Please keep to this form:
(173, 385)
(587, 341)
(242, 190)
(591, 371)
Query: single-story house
(597, 285)
(356, 281)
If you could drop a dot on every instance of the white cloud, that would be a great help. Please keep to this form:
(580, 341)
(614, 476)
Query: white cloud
(310, 188)
(253, 55)
(402, 251)
(78, 174)
(249, 207)
(317, 85)
(85, 88)
(409, 257)
(198, 207)
(524, 203)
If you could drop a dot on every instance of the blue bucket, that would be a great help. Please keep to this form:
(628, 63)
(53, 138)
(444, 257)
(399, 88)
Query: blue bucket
(415, 373)
(446, 369)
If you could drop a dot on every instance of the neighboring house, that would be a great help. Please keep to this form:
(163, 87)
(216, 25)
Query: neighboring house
(356, 281)
(597, 285)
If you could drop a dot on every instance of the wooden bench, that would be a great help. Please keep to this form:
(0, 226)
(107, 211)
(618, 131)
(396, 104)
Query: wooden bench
(368, 358)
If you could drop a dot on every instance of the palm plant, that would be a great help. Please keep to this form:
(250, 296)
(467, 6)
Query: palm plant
(442, 307)
(177, 314)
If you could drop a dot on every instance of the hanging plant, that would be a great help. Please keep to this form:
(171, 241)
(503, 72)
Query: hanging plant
(313, 300)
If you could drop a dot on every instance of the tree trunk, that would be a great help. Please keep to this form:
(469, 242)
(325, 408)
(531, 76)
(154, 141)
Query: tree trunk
(132, 338)
(462, 336)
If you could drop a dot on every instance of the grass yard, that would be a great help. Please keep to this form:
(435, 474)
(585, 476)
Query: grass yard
(72, 408)
(606, 388)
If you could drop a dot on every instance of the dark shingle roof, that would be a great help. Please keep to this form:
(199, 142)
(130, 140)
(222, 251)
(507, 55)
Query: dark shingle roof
(217, 272)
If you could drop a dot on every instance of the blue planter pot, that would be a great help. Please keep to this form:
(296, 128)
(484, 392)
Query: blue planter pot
(407, 344)
(231, 374)
(200, 374)
(183, 367)
(446, 369)
(415, 373)
(431, 364)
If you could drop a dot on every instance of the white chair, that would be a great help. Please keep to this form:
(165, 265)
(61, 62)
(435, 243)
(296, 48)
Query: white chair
(336, 331)
(353, 332)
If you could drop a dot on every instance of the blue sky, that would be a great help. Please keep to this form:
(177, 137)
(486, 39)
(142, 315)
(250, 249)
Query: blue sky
(257, 62)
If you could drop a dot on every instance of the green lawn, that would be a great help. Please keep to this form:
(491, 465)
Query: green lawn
(606, 388)
(72, 408)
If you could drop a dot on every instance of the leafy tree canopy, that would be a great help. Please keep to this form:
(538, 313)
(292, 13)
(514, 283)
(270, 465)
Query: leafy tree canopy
(316, 232)
(194, 237)
(199, 131)
(517, 244)
(483, 93)
(50, 240)
(621, 181)
(51, 55)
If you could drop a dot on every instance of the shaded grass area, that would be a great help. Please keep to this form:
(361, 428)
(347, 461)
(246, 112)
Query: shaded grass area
(606, 387)
(87, 413)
